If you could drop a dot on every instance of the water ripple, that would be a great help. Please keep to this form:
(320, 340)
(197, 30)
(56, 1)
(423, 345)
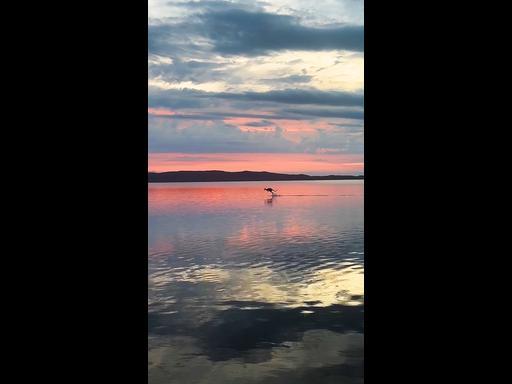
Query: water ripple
(236, 281)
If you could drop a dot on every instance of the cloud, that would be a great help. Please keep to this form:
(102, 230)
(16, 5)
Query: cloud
(172, 39)
(168, 135)
(230, 30)
(298, 96)
(188, 98)
(177, 99)
(179, 70)
(292, 79)
(246, 76)
(343, 114)
(219, 5)
(261, 123)
(195, 159)
(285, 114)
(207, 115)
(235, 32)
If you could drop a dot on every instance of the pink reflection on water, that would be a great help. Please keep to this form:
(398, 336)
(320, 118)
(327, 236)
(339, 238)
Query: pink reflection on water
(303, 246)
(166, 198)
(244, 217)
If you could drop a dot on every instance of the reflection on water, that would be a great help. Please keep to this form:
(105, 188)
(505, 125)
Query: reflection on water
(244, 288)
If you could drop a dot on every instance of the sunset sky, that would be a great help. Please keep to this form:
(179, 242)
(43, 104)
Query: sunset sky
(262, 86)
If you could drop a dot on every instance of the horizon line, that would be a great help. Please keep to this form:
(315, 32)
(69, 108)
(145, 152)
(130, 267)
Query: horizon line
(246, 170)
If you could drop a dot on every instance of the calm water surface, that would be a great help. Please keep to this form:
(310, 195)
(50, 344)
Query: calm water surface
(247, 289)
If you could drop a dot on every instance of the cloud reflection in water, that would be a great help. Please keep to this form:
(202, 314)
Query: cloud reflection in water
(240, 293)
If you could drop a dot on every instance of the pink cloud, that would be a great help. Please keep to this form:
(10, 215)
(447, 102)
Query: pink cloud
(161, 112)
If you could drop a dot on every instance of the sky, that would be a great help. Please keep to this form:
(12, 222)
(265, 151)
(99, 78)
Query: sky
(261, 86)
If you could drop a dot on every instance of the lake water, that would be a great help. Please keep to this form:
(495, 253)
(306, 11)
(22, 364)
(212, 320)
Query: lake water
(248, 289)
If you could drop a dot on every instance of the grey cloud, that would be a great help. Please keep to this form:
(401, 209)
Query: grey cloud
(292, 79)
(342, 114)
(349, 127)
(261, 123)
(287, 96)
(236, 31)
(297, 96)
(173, 136)
(252, 33)
(220, 5)
(188, 136)
(335, 142)
(227, 115)
(185, 70)
(173, 39)
(175, 99)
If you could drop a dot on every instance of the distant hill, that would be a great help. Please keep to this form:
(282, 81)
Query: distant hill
(196, 176)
